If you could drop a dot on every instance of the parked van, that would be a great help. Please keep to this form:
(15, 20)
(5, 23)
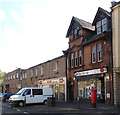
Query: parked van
(31, 95)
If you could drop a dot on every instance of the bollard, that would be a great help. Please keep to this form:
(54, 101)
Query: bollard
(93, 98)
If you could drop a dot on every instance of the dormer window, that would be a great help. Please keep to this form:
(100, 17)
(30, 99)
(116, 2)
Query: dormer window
(75, 32)
(104, 24)
(98, 27)
(79, 33)
(101, 26)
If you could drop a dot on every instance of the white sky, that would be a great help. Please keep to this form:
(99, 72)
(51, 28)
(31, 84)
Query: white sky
(33, 31)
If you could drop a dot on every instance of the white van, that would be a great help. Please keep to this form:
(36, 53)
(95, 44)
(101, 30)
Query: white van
(31, 95)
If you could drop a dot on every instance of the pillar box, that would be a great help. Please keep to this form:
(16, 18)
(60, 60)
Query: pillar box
(93, 98)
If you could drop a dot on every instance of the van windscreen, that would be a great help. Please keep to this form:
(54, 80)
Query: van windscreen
(21, 91)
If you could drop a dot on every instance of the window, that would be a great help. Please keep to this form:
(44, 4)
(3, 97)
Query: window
(80, 57)
(93, 54)
(17, 75)
(76, 59)
(79, 33)
(27, 92)
(36, 72)
(14, 76)
(99, 53)
(56, 67)
(75, 32)
(104, 24)
(37, 92)
(25, 75)
(41, 70)
(71, 60)
(99, 27)
(71, 37)
(11, 77)
(31, 73)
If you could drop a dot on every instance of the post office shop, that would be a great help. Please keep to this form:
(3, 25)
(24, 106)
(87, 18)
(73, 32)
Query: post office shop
(58, 85)
(90, 79)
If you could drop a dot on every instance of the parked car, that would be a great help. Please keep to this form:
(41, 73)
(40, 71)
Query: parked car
(1, 94)
(31, 95)
(6, 96)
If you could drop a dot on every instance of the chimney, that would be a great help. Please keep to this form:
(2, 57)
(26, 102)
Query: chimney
(113, 3)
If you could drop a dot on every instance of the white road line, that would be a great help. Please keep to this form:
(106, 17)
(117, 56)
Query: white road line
(25, 112)
(18, 110)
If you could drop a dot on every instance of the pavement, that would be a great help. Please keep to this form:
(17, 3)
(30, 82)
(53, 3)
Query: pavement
(75, 107)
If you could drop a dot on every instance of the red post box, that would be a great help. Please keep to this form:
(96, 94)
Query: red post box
(93, 98)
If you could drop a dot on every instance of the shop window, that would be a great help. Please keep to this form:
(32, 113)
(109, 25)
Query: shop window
(80, 57)
(93, 54)
(71, 60)
(76, 59)
(99, 53)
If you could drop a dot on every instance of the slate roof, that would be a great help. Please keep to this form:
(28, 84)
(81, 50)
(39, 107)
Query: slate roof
(81, 23)
(85, 24)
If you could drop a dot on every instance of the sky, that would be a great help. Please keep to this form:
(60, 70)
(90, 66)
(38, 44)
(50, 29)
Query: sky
(34, 31)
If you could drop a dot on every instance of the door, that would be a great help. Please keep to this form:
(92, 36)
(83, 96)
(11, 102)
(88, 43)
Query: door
(38, 95)
(28, 96)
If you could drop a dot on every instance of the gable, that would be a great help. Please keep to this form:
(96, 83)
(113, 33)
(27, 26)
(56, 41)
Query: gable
(101, 13)
(75, 22)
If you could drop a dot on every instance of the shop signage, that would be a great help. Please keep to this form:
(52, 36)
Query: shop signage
(90, 72)
(52, 81)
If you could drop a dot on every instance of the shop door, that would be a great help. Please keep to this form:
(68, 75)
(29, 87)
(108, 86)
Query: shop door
(56, 92)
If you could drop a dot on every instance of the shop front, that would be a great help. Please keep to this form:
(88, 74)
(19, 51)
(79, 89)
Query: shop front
(58, 85)
(92, 79)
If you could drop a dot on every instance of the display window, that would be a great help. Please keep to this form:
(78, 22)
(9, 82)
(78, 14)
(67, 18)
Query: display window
(85, 87)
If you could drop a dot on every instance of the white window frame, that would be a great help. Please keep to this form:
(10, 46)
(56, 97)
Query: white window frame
(17, 75)
(104, 24)
(41, 70)
(56, 67)
(25, 75)
(76, 59)
(36, 72)
(31, 73)
(93, 54)
(99, 51)
(71, 60)
(98, 26)
(80, 57)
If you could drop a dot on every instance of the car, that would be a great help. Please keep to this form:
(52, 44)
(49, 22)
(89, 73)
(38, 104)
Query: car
(6, 96)
(1, 94)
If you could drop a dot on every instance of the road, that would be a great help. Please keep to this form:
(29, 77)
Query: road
(40, 109)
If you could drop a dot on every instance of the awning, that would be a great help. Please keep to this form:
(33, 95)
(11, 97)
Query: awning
(90, 76)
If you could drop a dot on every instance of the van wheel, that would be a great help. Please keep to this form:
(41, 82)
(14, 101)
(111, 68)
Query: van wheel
(21, 104)
(45, 102)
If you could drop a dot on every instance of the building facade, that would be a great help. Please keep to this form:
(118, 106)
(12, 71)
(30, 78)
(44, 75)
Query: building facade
(116, 50)
(51, 73)
(90, 57)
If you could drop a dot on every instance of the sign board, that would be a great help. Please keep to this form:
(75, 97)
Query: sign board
(90, 72)
(52, 81)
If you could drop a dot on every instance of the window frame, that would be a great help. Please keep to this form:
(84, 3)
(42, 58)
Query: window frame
(104, 24)
(76, 58)
(98, 27)
(71, 61)
(99, 51)
(93, 54)
(80, 57)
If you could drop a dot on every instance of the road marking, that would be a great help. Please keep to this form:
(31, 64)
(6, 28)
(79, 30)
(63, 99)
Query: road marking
(25, 112)
(18, 110)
